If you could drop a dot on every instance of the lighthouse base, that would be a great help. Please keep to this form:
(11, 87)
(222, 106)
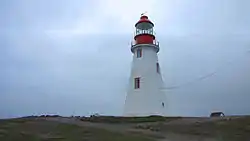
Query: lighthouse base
(138, 107)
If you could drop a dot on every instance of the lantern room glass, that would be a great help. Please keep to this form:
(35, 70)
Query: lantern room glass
(144, 31)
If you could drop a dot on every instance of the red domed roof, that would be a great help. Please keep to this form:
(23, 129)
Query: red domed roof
(144, 19)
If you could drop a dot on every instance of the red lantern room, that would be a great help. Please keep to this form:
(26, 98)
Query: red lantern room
(144, 35)
(144, 31)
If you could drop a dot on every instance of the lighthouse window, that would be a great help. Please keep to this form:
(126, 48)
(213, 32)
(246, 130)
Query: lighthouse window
(151, 31)
(139, 53)
(137, 82)
(137, 31)
(157, 68)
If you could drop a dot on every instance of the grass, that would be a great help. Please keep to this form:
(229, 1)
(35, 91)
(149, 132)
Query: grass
(235, 129)
(38, 130)
(112, 119)
(35, 129)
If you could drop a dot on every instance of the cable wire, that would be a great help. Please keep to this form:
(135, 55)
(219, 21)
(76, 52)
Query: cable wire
(202, 77)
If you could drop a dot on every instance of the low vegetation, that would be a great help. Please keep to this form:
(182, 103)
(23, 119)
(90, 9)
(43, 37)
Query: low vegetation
(36, 128)
(113, 119)
(40, 130)
(228, 129)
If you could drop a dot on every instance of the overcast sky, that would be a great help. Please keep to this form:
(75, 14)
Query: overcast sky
(73, 57)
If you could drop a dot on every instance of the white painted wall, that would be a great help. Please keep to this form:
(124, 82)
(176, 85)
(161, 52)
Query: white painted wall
(148, 99)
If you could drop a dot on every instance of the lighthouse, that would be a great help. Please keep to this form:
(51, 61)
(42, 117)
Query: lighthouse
(145, 96)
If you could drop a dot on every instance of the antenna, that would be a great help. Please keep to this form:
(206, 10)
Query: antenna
(143, 14)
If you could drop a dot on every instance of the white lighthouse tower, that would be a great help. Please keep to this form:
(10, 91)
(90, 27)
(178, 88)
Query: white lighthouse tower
(145, 96)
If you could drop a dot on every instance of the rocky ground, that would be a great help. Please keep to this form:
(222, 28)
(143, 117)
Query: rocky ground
(123, 129)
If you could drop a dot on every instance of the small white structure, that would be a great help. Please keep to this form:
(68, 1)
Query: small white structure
(145, 95)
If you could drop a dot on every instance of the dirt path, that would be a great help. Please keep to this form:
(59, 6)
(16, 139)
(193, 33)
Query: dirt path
(121, 128)
(129, 128)
(111, 127)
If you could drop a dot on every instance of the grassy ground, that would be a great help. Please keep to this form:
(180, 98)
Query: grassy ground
(112, 119)
(40, 130)
(126, 129)
(223, 129)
